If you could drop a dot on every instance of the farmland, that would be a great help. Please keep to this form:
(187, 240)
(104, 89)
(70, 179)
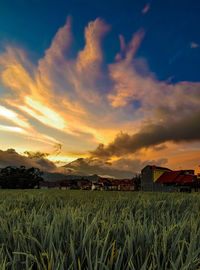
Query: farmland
(66, 229)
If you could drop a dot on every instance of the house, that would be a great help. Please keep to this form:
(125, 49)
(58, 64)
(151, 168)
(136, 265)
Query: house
(49, 185)
(156, 178)
(182, 180)
(127, 185)
(97, 186)
(106, 183)
(114, 184)
(123, 184)
(149, 175)
(65, 184)
(84, 184)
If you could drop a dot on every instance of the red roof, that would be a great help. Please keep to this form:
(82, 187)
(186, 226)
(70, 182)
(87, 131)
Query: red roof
(122, 182)
(185, 179)
(104, 181)
(175, 177)
(168, 177)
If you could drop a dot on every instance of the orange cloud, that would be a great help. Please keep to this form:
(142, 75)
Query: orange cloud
(122, 73)
(91, 56)
(32, 94)
(13, 129)
(14, 117)
(17, 79)
(45, 115)
(23, 127)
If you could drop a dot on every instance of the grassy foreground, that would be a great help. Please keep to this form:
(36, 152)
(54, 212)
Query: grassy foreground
(59, 230)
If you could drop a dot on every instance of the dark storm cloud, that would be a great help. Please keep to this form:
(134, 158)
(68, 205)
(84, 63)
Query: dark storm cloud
(186, 129)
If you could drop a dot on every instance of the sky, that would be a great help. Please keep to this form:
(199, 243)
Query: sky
(102, 87)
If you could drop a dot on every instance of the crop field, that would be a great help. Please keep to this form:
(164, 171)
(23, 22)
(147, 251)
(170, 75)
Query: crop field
(61, 229)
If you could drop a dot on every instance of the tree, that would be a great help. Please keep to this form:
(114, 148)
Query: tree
(13, 177)
(137, 182)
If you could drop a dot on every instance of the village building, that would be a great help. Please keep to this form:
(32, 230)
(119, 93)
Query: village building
(97, 186)
(49, 185)
(106, 183)
(84, 184)
(114, 184)
(156, 178)
(67, 184)
(123, 184)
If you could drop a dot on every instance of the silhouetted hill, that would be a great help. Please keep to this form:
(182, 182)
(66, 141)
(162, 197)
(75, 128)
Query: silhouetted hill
(54, 177)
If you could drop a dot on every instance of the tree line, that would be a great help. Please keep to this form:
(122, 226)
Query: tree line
(20, 177)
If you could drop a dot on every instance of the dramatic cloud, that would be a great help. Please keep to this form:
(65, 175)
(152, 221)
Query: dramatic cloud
(183, 130)
(91, 57)
(13, 129)
(170, 112)
(23, 127)
(123, 75)
(77, 103)
(12, 116)
(49, 92)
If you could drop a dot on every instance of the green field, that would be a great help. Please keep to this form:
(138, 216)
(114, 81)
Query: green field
(58, 229)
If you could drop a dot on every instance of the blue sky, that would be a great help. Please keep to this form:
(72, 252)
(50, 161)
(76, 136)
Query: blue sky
(171, 26)
(124, 74)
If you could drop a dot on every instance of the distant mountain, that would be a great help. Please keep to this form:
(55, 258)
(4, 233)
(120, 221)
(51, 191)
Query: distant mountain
(92, 166)
(54, 177)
